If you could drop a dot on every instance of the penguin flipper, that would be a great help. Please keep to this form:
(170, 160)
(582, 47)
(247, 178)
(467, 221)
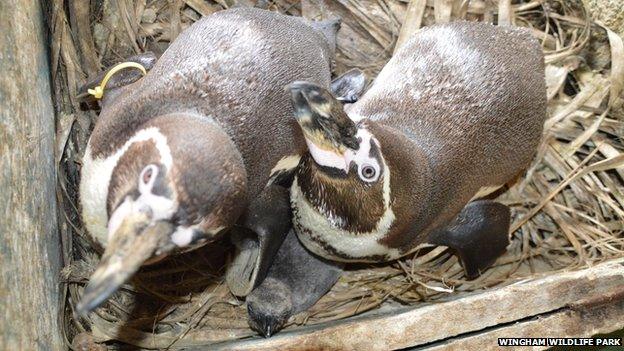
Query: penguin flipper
(257, 237)
(349, 86)
(296, 280)
(479, 235)
(121, 78)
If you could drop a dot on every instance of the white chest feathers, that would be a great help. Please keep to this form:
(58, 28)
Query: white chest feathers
(96, 176)
(320, 236)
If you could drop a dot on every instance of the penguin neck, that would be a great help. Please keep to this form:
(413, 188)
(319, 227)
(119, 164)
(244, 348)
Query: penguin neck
(413, 187)
(400, 141)
(421, 201)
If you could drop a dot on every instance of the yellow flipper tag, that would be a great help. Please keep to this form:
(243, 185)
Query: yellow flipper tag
(98, 91)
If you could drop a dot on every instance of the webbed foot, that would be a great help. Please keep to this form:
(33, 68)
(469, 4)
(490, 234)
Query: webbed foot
(257, 237)
(479, 235)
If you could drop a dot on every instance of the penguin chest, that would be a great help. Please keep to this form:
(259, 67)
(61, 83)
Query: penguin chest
(319, 235)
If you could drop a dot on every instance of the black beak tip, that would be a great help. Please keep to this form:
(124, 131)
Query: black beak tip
(265, 320)
(89, 301)
(269, 327)
(267, 332)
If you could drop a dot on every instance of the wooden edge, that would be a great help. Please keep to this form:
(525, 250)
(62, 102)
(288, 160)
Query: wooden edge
(30, 248)
(566, 322)
(440, 321)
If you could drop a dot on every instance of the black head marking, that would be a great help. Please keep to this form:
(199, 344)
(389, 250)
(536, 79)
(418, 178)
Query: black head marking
(133, 167)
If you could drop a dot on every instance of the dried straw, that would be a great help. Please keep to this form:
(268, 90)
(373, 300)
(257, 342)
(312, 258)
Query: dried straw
(568, 209)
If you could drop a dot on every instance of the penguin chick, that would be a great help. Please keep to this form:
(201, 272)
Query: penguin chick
(175, 156)
(269, 306)
(460, 108)
(295, 282)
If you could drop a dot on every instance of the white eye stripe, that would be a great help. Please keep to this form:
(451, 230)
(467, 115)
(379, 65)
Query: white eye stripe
(183, 236)
(161, 206)
(327, 158)
(362, 158)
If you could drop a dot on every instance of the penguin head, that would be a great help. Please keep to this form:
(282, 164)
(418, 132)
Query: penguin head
(338, 146)
(362, 185)
(178, 181)
(343, 183)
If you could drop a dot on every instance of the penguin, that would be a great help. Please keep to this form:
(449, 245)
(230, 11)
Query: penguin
(295, 281)
(200, 146)
(455, 114)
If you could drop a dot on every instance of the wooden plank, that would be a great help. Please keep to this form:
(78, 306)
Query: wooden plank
(29, 249)
(568, 322)
(440, 321)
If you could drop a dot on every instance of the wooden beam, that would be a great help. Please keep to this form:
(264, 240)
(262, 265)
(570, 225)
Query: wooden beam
(430, 323)
(30, 247)
(567, 322)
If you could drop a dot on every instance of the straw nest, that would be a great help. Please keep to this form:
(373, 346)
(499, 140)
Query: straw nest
(568, 209)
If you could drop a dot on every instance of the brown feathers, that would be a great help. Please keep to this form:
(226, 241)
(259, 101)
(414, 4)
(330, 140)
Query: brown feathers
(348, 202)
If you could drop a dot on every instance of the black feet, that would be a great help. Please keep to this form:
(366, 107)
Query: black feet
(349, 86)
(257, 238)
(479, 235)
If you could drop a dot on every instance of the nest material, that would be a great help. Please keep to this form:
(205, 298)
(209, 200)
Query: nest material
(568, 209)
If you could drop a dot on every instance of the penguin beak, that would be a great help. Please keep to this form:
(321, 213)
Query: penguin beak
(135, 241)
(328, 131)
(309, 100)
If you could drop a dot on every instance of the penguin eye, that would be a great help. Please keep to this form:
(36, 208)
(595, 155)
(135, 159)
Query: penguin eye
(368, 173)
(148, 173)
